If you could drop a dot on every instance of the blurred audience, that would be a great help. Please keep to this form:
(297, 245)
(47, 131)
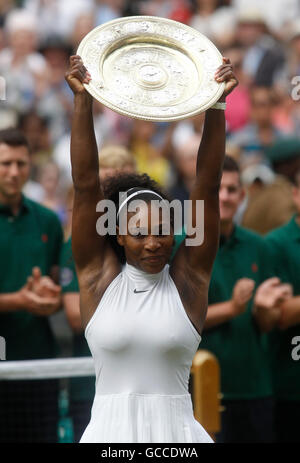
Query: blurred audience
(48, 178)
(238, 102)
(55, 102)
(22, 66)
(260, 132)
(114, 159)
(216, 20)
(84, 23)
(57, 17)
(276, 13)
(147, 156)
(185, 159)
(107, 10)
(264, 55)
(269, 190)
(269, 199)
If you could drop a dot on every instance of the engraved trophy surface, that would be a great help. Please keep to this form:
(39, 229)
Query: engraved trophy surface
(151, 68)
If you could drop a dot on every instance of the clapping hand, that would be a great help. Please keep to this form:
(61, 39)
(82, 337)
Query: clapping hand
(271, 293)
(241, 295)
(268, 299)
(43, 286)
(40, 295)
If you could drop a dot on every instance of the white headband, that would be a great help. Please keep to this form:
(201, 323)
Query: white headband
(135, 194)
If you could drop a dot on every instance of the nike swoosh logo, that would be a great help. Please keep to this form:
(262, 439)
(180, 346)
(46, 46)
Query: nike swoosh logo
(136, 292)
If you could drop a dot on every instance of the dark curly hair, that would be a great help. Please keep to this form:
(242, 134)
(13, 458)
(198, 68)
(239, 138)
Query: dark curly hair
(112, 186)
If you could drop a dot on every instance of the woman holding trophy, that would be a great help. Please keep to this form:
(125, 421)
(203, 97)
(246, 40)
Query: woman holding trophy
(142, 317)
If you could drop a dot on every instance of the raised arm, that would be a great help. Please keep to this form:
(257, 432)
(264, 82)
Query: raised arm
(192, 265)
(86, 244)
(199, 258)
(95, 262)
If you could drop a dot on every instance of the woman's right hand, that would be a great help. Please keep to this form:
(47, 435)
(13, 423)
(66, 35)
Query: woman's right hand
(77, 75)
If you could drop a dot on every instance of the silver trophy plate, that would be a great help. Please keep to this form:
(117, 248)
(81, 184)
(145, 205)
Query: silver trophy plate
(151, 68)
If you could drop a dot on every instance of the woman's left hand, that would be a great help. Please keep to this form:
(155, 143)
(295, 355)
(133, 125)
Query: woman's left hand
(225, 74)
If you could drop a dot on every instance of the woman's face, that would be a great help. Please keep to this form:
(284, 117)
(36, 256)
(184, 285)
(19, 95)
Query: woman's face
(151, 248)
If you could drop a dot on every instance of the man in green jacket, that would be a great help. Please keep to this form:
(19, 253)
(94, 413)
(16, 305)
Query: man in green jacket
(30, 242)
(284, 339)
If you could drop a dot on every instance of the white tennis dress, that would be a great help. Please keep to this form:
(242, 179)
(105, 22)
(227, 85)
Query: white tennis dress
(143, 344)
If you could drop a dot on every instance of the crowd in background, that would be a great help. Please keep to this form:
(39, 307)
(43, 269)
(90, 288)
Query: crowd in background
(262, 40)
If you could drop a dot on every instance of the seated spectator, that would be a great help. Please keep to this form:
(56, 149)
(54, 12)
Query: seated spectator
(178, 10)
(264, 56)
(110, 127)
(107, 10)
(148, 157)
(284, 246)
(185, 159)
(84, 23)
(254, 178)
(48, 178)
(114, 159)
(287, 84)
(156, 8)
(36, 130)
(260, 133)
(55, 101)
(272, 205)
(181, 11)
(286, 114)
(57, 17)
(276, 13)
(183, 130)
(292, 63)
(269, 199)
(238, 102)
(33, 190)
(284, 157)
(23, 68)
(215, 21)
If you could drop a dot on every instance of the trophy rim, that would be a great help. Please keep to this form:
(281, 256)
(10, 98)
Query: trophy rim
(96, 85)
